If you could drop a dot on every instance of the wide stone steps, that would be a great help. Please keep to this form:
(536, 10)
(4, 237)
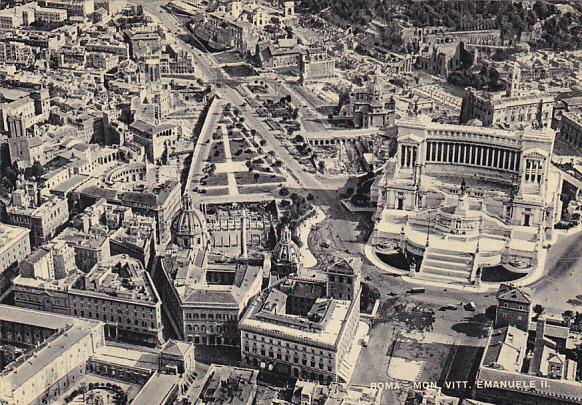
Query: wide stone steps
(449, 258)
(453, 274)
(441, 269)
(433, 262)
(446, 266)
(449, 253)
(444, 279)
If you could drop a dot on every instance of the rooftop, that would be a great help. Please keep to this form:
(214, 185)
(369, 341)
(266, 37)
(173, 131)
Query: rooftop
(123, 277)
(322, 326)
(128, 357)
(81, 239)
(10, 234)
(227, 385)
(191, 272)
(68, 331)
(506, 349)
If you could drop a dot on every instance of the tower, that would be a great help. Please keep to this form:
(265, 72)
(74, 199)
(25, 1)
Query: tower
(237, 9)
(16, 126)
(515, 80)
(289, 9)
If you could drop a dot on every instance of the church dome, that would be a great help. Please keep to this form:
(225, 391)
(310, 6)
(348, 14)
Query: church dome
(190, 229)
(286, 251)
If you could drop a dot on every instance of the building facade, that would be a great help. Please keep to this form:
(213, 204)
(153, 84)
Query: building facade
(14, 247)
(570, 130)
(117, 291)
(513, 308)
(305, 328)
(157, 139)
(44, 217)
(316, 65)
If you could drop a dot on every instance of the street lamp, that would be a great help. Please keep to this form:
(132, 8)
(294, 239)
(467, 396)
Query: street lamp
(428, 229)
(479, 233)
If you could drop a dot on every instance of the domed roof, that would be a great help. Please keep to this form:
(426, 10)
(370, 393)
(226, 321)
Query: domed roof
(190, 222)
(286, 251)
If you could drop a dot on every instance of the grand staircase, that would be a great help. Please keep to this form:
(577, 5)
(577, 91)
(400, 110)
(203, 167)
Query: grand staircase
(446, 266)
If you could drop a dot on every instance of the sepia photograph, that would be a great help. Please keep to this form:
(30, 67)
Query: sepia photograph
(290, 202)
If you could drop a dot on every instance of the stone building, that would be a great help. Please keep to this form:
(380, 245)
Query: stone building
(190, 229)
(307, 328)
(516, 108)
(49, 369)
(510, 373)
(513, 307)
(90, 247)
(209, 279)
(27, 107)
(158, 140)
(316, 65)
(570, 130)
(43, 216)
(505, 174)
(286, 258)
(117, 291)
(205, 294)
(368, 107)
(14, 246)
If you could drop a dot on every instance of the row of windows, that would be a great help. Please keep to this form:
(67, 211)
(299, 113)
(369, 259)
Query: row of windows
(112, 318)
(226, 317)
(277, 342)
(287, 358)
(340, 279)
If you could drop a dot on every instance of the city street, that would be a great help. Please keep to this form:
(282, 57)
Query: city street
(203, 61)
(560, 287)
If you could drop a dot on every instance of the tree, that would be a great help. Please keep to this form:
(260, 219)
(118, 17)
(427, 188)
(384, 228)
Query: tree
(283, 192)
(37, 169)
(568, 316)
(538, 310)
(256, 176)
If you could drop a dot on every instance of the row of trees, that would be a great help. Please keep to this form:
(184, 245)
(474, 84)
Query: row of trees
(574, 319)
(559, 31)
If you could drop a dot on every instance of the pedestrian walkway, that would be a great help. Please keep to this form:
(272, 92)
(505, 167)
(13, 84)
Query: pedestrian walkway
(348, 364)
(232, 184)
(309, 260)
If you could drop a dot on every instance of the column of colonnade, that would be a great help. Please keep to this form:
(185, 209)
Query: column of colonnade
(478, 155)
(533, 170)
(408, 155)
